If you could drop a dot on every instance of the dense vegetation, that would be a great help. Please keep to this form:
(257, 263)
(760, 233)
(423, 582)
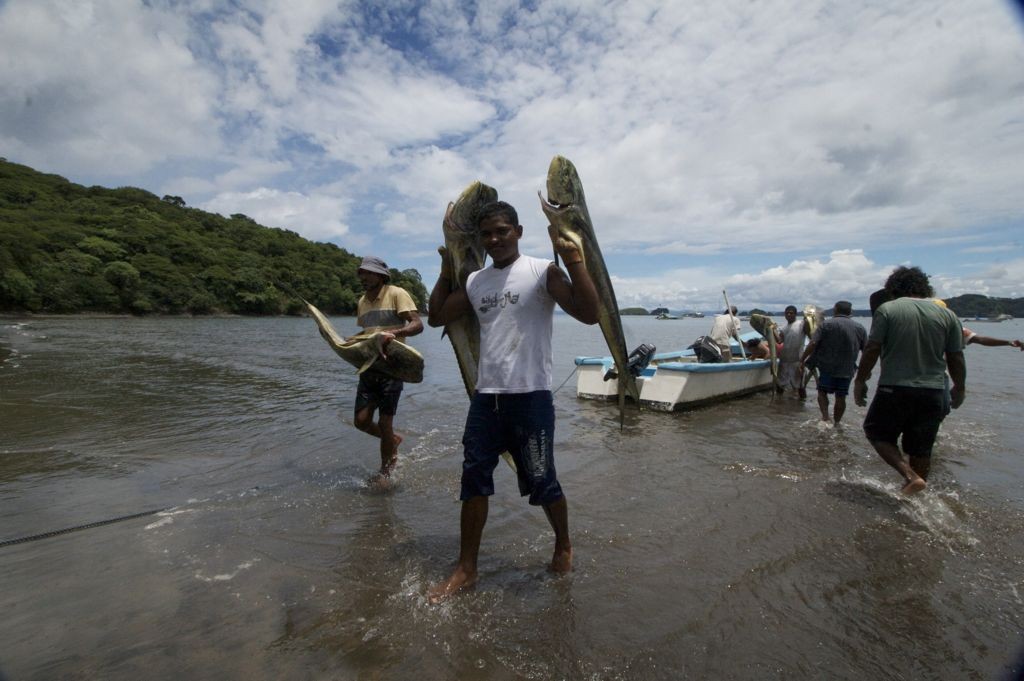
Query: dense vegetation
(975, 305)
(66, 248)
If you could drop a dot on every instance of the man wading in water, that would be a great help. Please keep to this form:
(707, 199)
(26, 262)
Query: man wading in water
(917, 341)
(512, 409)
(391, 309)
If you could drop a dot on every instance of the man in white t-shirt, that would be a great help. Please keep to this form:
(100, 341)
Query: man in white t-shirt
(724, 330)
(512, 410)
(793, 335)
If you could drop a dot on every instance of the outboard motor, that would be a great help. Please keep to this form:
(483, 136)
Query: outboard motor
(707, 351)
(640, 358)
(635, 363)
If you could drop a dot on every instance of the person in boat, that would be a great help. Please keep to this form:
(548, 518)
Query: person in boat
(917, 342)
(512, 410)
(725, 328)
(757, 348)
(382, 307)
(833, 350)
(792, 336)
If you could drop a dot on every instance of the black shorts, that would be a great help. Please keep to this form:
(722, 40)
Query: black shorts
(378, 391)
(522, 424)
(914, 413)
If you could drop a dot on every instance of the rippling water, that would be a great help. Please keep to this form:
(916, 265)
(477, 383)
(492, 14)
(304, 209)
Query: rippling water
(741, 541)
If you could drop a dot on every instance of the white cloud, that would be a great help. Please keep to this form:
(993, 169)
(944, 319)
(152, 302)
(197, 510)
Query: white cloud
(316, 217)
(701, 130)
(101, 88)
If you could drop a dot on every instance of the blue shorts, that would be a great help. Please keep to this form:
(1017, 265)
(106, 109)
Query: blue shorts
(914, 413)
(834, 385)
(522, 424)
(377, 390)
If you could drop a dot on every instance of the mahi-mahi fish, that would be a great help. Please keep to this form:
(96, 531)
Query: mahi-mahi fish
(367, 349)
(465, 254)
(566, 209)
(813, 317)
(765, 326)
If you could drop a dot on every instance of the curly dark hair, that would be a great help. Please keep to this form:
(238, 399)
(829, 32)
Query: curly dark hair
(909, 282)
(498, 208)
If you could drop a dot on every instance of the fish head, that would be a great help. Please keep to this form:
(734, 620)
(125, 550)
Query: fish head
(461, 234)
(566, 205)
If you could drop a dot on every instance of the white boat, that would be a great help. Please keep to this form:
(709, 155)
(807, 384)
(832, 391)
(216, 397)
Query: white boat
(675, 380)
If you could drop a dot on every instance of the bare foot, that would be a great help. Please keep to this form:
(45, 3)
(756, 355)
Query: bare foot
(914, 486)
(459, 580)
(387, 468)
(561, 562)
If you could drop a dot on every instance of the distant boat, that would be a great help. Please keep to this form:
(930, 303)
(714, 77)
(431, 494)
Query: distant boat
(666, 315)
(997, 318)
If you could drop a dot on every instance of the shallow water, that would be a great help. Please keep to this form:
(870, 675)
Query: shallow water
(742, 541)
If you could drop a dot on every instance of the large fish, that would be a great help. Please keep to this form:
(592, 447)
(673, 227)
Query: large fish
(813, 317)
(466, 255)
(566, 209)
(366, 350)
(766, 326)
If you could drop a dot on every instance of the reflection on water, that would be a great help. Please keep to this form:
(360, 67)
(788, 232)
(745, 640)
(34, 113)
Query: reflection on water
(746, 540)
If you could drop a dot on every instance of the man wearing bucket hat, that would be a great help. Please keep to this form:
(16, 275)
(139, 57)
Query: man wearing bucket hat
(382, 307)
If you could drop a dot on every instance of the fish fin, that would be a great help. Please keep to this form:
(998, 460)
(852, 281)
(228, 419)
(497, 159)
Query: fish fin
(366, 365)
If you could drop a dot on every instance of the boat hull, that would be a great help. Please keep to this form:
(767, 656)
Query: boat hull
(676, 381)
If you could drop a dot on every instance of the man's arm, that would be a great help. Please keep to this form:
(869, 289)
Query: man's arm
(445, 305)
(808, 351)
(575, 293)
(868, 358)
(412, 325)
(958, 372)
(995, 342)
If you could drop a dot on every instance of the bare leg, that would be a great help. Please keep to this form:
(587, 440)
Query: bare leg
(471, 526)
(558, 515)
(890, 453)
(823, 404)
(921, 465)
(364, 421)
(837, 414)
(389, 441)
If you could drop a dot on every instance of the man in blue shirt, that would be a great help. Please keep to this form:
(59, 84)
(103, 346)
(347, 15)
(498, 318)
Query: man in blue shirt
(833, 351)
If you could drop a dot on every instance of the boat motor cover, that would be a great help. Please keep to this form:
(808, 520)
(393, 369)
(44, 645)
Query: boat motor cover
(707, 350)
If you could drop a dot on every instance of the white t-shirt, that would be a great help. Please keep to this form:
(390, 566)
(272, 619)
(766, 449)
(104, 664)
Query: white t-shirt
(724, 328)
(515, 312)
(792, 341)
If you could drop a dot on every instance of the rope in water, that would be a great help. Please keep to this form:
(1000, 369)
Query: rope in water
(98, 523)
(571, 373)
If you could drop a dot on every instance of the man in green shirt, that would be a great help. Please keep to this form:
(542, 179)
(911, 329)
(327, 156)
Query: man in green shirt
(917, 341)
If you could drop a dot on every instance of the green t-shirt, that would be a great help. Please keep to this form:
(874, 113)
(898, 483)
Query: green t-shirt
(915, 334)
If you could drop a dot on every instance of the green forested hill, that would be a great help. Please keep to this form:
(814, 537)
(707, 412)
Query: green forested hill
(975, 305)
(66, 248)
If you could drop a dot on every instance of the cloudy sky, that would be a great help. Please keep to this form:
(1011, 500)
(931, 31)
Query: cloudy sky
(789, 151)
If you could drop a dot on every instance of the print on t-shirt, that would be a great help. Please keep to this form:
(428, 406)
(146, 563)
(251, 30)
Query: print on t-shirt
(488, 303)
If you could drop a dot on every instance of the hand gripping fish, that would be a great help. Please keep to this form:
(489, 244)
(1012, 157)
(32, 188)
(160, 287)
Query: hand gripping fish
(367, 350)
(566, 209)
